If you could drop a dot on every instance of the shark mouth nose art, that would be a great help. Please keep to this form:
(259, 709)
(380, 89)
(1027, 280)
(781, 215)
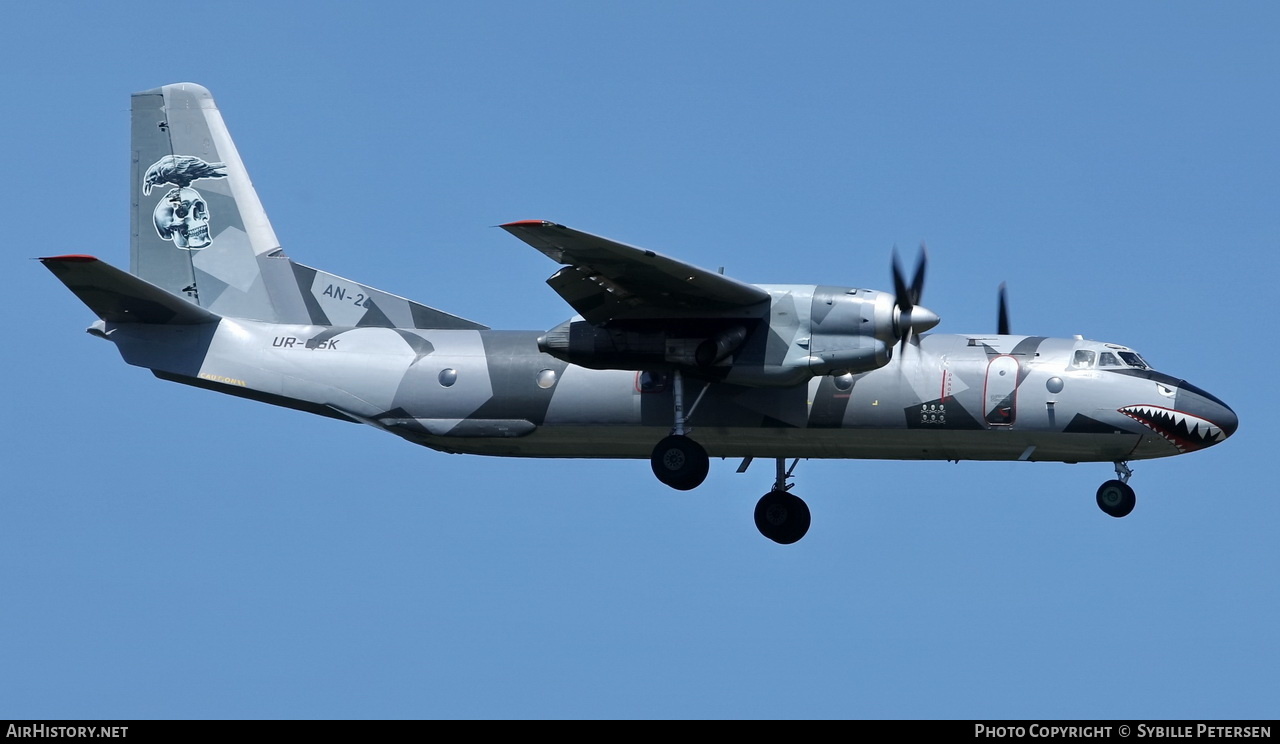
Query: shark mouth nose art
(1183, 430)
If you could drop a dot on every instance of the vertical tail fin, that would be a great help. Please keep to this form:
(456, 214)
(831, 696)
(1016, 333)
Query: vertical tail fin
(199, 230)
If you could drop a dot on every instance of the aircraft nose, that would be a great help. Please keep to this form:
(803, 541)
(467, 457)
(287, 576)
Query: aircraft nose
(1209, 408)
(1196, 420)
(1222, 414)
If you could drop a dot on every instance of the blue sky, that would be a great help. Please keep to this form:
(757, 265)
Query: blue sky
(166, 552)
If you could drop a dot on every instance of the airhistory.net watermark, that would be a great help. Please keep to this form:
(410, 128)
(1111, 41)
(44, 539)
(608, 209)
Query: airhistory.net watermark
(48, 731)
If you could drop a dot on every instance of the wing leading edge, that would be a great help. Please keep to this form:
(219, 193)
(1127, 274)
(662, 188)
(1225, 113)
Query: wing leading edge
(604, 280)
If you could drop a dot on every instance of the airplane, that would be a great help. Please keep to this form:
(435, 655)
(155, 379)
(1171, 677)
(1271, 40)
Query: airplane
(662, 359)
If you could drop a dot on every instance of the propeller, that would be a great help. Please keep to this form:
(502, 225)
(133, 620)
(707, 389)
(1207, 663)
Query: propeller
(911, 318)
(1002, 322)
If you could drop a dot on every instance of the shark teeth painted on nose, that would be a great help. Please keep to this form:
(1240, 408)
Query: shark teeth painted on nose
(1184, 431)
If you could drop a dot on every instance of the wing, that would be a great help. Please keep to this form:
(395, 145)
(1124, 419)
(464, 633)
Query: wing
(604, 280)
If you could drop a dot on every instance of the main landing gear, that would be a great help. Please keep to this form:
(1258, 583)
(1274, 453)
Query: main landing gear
(782, 516)
(682, 463)
(1115, 497)
(677, 460)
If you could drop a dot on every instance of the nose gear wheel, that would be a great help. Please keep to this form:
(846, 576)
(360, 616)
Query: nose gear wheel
(1115, 497)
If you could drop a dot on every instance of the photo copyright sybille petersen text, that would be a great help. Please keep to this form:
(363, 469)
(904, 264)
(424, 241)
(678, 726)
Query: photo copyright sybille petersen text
(1121, 731)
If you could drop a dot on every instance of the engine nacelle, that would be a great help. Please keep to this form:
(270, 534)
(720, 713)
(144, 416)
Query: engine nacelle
(872, 353)
(586, 345)
(718, 348)
(642, 345)
(806, 331)
(849, 330)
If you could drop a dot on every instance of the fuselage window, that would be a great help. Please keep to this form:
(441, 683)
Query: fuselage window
(1083, 359)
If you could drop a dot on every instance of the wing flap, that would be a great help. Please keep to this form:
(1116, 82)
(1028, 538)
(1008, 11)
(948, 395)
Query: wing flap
(607, 280)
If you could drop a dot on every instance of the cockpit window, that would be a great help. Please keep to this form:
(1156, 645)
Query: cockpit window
(1133, 360)
(1083, 359)
(1108, 360)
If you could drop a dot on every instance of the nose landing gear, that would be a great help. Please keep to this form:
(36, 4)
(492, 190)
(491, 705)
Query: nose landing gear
(1115, 497)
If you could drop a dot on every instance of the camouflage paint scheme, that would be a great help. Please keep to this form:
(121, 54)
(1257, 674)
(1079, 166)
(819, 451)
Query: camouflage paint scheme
(765, 371)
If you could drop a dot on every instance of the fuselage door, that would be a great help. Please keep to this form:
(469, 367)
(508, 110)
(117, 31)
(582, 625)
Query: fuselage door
(1000, 398)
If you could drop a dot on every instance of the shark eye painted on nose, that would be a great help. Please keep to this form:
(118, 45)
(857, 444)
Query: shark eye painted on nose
(1165, 390)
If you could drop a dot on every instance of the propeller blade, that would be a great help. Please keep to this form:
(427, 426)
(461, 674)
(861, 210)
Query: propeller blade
(907, 297)
(901, 295)
(1002, 323)
(917, 281)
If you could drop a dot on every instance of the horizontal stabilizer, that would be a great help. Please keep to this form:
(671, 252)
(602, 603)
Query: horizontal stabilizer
(117, 296)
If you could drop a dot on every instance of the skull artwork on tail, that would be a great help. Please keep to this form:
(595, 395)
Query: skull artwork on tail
(182, 216)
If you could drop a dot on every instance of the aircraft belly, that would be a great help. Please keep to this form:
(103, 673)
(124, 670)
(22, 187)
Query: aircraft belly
(637, 443)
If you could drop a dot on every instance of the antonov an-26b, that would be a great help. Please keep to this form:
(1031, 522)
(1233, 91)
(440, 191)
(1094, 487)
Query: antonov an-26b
(663, 360)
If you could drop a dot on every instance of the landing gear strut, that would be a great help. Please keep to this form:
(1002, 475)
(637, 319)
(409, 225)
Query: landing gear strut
(677, 460)
(1115, 497)
(782, 516)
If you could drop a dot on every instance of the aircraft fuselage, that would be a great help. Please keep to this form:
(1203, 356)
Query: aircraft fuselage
(944, 397)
